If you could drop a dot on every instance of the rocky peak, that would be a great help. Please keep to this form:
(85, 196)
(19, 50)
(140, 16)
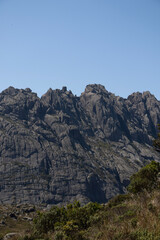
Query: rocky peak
(135, 97)
(147, 94)
(138, 97)
(64, 89)
(52, 96)
(61, 147)
(60, 101)
(28, 90)
(95, 88)
(19, 102)
(10, 91)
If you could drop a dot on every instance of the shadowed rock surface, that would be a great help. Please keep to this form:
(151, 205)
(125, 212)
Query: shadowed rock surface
(60, 148)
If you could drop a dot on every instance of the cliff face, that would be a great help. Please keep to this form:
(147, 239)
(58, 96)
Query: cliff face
(59, 148)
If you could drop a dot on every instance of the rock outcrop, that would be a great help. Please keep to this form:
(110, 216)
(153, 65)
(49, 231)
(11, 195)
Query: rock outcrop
(60, 148)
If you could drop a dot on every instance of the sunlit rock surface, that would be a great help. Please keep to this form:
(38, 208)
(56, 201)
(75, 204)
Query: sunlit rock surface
(60, 148)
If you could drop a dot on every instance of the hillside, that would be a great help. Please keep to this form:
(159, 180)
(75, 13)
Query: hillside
(60, 147)
(132, 216)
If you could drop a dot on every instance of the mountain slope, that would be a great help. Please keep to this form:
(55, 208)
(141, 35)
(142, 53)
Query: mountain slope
(60, 147)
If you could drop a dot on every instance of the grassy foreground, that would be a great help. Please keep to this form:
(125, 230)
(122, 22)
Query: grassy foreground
(134, 216)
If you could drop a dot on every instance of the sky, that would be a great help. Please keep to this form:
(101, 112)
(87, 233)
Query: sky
(54, 43)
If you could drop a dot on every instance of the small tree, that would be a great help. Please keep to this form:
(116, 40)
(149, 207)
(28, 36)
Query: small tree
(146, 178)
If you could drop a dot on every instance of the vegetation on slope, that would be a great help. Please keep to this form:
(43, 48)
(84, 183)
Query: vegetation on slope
(133, 216)
(146, 178)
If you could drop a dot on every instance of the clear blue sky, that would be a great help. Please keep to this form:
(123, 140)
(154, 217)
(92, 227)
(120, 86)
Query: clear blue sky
(55, 43)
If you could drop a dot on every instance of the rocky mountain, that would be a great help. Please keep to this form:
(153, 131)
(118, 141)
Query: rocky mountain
(60, 147)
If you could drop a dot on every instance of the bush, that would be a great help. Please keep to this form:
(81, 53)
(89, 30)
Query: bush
(146, 178)
(70, 220)
(59, 236)
(45, 222)
(118, 200)
(134, 222)
(1, 236)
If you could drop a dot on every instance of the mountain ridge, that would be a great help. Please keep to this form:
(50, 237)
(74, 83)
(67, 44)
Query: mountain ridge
(60, 147)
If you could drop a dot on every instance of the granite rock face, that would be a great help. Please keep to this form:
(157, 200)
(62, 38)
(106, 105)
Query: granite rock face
(60, 148)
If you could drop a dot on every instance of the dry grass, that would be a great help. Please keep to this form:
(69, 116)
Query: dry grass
(135, 219)
(10, 224)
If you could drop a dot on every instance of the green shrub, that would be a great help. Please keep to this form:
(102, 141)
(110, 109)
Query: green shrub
(59, 236)
(73, 218)
(96, 218)
(117, 200)
(70, 229)
(45, 221)
(99, 235)
(134, 222)
(144, 235)
(151, 208)
(146, 178)
(1, 236)
(137, 235)
(33, 237)
(129, 213)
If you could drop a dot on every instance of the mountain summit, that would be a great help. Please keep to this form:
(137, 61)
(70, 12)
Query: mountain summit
(60, 148)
